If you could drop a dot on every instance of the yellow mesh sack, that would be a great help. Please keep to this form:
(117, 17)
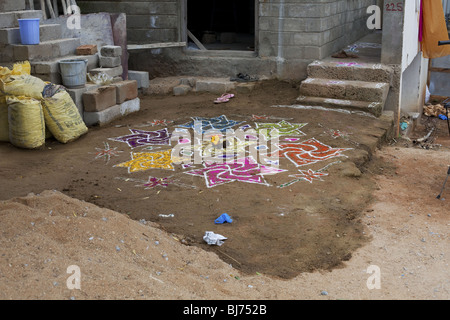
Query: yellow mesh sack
(26, 122)
(62, 117)
(4, 72)
(22, 85)
(21, 68)
(4, 128)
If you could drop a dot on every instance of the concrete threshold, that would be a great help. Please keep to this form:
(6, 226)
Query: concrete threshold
(220, 53)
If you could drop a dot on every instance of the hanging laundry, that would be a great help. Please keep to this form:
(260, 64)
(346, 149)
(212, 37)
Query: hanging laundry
(433, 29)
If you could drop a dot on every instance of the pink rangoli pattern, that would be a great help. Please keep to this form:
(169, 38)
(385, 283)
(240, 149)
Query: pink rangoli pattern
(244, 170)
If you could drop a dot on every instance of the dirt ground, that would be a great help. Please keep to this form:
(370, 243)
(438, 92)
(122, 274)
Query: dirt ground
(304, 241)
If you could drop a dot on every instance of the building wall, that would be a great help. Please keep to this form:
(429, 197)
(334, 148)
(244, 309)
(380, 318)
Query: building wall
(148, 21)
(290, 33)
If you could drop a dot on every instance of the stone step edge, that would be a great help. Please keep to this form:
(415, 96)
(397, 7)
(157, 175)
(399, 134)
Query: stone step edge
(375, 107)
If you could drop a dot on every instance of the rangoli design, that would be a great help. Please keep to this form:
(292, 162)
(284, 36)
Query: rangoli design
(106, 153)
(140, 138)
(337, 134)
(243, 170)
(156, 182)
(161, 122)
(206, 149)
(255, 117)
(141, 161)
(220, 123)
(304, 175)
(282, 128)
(308, 152)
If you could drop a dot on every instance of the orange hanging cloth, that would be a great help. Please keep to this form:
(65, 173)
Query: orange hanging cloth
(434, 29)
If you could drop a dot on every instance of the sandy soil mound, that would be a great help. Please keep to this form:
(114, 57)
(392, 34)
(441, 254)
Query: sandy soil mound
(119, 258)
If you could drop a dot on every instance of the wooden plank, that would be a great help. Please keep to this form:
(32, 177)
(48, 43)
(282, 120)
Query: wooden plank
(55, 7)
(198, 43)
(155, 45)
(44, 14)
(64, 7)
(50, 9)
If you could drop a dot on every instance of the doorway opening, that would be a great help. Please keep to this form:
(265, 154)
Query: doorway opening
(221, 24)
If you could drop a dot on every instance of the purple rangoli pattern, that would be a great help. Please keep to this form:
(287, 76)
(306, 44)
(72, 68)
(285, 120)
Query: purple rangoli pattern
(140, 138)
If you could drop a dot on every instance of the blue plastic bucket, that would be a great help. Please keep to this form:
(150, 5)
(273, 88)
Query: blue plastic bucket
(73, 72)
(29, 31)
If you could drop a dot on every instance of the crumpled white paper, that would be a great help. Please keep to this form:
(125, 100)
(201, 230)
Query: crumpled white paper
(212, 238)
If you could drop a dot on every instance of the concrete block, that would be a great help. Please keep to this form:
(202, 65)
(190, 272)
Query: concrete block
(99, 99)
(46, 50)
(112, 113)
(29, 52)
(87, 49)
(12, 5)
(111, 51)
(109, 62)
(102, 117)
(6, 53)
(126, 90)
(130, 106)
(215, 85)
(77, 95)
(181, 90)
(112, 72)
(142, 78)
(10, 19)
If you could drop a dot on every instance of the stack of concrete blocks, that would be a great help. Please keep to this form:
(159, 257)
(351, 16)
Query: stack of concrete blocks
(110, 62)
(110, 102)
(142, 78)
(90, 53)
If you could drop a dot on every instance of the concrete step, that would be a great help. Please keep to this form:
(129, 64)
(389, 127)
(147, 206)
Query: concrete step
(375, 108)
(350, 70)
(46, 50)
(345, 89)
(51, 66)
(9, 19)
(48, 70)
(12, 5)
(47, 32)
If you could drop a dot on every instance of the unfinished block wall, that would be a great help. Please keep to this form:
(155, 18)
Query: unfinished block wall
(290, 34)
(148, 21)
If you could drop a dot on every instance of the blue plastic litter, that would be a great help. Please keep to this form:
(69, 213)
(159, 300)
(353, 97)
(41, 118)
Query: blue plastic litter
(404, 125)
(223, 218)
(442, 117)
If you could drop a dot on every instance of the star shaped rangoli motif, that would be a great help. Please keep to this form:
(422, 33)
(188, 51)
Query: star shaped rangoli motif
(141, 161)
(282, 128)
(139, 138)
(106, 153)
(243, 170)
(155, 182)
(305, 175)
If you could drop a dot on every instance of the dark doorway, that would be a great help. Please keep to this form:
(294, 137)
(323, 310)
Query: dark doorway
(222, 24)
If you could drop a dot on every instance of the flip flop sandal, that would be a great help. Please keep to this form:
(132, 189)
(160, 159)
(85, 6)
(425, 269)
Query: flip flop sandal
(221, 100)
(227, 96)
